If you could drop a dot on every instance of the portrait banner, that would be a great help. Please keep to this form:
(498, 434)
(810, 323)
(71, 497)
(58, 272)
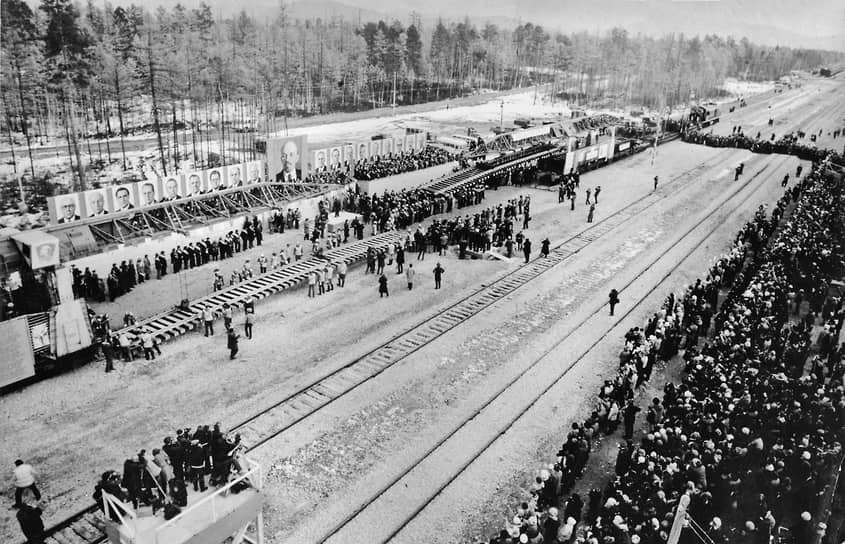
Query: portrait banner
(124, 197)
(148, 193)
(286, 158)
(335, 157)
(235, 175)
(320, 161)
(363, 151)
(97, 203)
(215, 179)
(349, 153)
(65, 208)
(387, 146)
(194, 184)
(399, 145)
(172, 188)
(255, 172)
(375, 148)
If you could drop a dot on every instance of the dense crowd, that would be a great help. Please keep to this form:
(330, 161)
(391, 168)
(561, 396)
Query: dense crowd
(398, 163)
(123, 277)
(202, 457)
(751, 434)
(788, 144)
(600, 122)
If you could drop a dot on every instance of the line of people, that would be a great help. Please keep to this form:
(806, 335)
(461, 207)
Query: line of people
(399, 163)
(750, 435)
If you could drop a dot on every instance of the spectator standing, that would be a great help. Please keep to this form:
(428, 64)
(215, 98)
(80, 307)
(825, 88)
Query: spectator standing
(544, 247)
(596, 197)
(382, 286)
(526, 248)
(248, 319)
(613, 299)
(148, 344)
(24, 478)
(655, 183)
(409, 274)
(590, 213)
(232, 343)
(438, 275)
(312, 283)
(629, 416)
(208, 320)
(341, 274)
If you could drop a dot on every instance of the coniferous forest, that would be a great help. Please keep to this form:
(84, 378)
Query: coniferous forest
(91, 75)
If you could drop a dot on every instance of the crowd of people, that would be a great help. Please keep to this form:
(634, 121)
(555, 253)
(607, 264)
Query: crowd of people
(202, 457)
(399, 163)
(752, 434)
(788, 144)
(124, 277)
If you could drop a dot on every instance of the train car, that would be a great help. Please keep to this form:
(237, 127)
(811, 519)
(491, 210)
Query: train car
(46, 329)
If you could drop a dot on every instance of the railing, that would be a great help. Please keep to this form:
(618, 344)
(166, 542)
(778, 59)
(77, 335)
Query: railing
(253, 476)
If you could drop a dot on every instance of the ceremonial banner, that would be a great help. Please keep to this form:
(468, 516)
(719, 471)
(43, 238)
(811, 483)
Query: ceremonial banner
(236, 175)
(419, 140)
(194, 183)
(285, 158)
(97, 203)
(64, 208)
(148, 193)
(363, 151)
(255, 172)
(387, 146)
(173, 188)
(349, 153)
(410, 144)
(319, 162)
(215, 180)
(124, 197)
(375, 148)
(335, 157)
(399, 145)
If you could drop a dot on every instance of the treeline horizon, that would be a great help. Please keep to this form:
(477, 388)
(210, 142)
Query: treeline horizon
(76, 72)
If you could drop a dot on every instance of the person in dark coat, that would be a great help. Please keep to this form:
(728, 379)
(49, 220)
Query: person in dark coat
(544, 248)
(382, 286)
(591, 213)
(438, 275)
(526, 249)
(232, 342)
(32, 527)
(629, 417)
(613, 299)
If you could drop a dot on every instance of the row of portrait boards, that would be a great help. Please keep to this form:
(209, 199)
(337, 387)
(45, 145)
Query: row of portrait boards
(141, 194)
(331, 157)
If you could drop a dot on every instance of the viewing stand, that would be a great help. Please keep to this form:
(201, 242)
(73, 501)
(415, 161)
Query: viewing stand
(212, 516)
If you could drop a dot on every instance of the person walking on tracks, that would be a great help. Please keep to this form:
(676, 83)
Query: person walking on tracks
(232, 342)
(591, 213)
(438, 275)
(544, 247)
(526, 249)
(208, 320)
(382, 287)
(409, 275)
(613, 299)
(24, 478)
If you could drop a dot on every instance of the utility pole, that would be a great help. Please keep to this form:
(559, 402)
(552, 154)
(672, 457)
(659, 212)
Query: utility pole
(680, 518)
(394, 93)
(502, 116)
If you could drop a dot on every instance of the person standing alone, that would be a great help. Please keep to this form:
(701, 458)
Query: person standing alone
(438, 275)
(613, 299)
(526, 249)
(409, 274)
(249, 315)
(382, 286)
(232, 343)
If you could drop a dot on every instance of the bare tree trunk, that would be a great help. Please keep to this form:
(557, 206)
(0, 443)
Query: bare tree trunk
(155, 104)
(120, 115)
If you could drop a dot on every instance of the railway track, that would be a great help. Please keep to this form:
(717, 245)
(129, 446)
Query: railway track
(487, 420)
(88, 525)
(175, 322)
